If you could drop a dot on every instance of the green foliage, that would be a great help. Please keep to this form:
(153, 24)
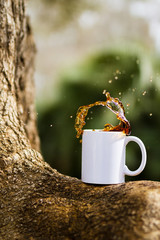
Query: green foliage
(121, 74)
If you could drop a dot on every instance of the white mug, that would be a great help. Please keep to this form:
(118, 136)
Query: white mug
(103, 157)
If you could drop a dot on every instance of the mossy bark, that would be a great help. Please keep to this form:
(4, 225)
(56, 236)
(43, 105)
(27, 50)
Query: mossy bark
(37, 202)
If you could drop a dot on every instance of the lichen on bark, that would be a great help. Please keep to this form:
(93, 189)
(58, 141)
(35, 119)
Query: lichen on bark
(37, 202)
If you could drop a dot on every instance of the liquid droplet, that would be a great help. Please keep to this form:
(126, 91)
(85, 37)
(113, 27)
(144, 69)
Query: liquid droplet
(144, 93)
(113, 104)
(118, 72)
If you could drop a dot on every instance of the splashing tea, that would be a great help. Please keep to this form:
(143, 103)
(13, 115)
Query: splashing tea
(115, 105)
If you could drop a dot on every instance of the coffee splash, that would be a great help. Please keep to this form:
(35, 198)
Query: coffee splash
(115, 105)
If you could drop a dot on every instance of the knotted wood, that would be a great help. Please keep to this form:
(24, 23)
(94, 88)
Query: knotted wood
(37, 202)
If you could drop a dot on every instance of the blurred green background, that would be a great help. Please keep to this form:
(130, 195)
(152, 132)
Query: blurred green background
(84, 48)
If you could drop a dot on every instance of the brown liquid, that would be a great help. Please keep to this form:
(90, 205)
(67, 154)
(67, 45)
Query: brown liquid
(115, 105)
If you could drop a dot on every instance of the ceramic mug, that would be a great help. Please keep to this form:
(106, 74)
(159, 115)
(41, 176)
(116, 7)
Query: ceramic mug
(103, 157)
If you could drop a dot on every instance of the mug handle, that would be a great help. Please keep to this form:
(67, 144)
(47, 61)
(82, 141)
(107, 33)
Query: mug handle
(144, 156)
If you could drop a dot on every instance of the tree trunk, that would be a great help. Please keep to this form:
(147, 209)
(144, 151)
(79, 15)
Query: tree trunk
(37, 202)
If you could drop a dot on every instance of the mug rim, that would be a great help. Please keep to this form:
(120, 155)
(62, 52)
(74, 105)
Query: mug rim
(102, 131)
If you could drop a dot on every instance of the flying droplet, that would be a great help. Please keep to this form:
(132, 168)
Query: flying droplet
(144, 93)
(150, 114)
(110, 81)
(118, 72)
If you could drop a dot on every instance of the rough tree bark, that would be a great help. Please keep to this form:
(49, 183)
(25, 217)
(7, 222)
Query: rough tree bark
(37, 202)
